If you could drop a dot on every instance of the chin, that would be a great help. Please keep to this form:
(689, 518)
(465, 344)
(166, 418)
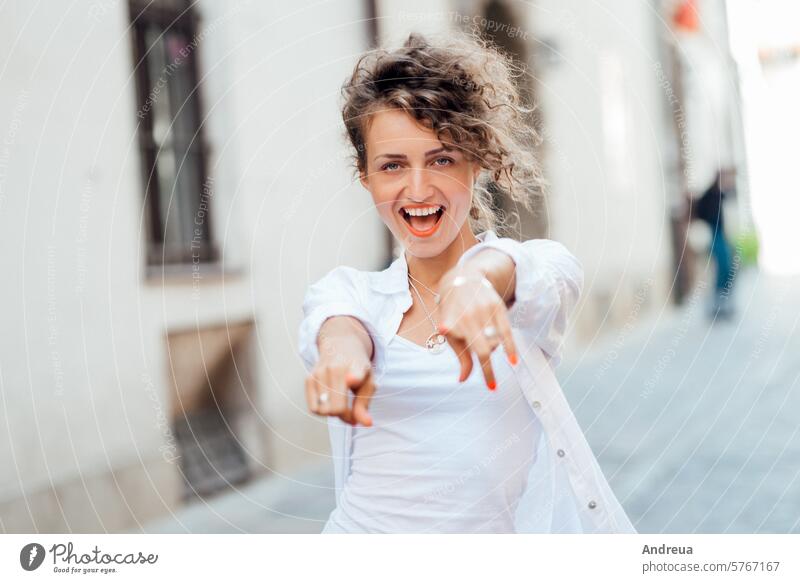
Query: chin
(425, 248)
(424, 251)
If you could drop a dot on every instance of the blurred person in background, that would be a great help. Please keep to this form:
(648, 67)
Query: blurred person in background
(705, 128)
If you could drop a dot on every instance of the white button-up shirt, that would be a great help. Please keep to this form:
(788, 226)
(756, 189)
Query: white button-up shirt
(566, 489)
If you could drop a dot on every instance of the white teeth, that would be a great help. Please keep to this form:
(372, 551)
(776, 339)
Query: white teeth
(421, 212)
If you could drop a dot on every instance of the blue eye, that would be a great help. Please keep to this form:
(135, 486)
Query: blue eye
(447, 161)
(390, 166)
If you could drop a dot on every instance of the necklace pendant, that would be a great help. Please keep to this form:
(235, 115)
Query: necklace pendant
(435, 343)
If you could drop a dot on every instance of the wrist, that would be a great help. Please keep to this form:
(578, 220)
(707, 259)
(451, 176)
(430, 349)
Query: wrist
(461, 274)
(344, 349)
(346, 337)
(462, 279)
(498, 267)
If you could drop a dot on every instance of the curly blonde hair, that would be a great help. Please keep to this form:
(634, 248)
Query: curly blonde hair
(463, 89)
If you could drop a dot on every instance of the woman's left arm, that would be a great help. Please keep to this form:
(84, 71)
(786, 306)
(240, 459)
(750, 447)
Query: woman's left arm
(541, 285)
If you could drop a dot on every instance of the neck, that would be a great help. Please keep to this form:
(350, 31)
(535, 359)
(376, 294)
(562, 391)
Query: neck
(429, 270)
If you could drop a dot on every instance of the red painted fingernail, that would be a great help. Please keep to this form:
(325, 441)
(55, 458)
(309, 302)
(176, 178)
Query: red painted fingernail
(442, 329)
(512, 358)
(492, 385)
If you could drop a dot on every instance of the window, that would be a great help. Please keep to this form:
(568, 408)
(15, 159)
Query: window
(217, 439)
(174, 153)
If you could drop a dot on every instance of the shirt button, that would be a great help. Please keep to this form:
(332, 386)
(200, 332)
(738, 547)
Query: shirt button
(536, 404)
(561, 453)
(592, 504)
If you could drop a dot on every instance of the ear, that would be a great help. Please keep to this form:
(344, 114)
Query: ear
(362, 177)
(476, 172)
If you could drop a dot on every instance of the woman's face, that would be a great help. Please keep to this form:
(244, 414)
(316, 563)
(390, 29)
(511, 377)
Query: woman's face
(409, 169)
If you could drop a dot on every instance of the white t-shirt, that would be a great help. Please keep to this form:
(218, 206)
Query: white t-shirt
(441, 456)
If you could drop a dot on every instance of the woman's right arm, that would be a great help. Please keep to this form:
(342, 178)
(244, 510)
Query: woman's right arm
(336, 343)
(346, 350)
(339, 331)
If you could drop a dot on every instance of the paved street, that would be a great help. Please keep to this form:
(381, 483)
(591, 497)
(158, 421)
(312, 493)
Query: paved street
(269, 505)
(695, 424)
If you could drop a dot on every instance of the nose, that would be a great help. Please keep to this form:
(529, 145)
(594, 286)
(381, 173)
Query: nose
(418, 183)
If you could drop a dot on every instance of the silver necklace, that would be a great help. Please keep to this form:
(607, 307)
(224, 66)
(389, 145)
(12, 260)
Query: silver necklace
(436, 341)
(436, 296)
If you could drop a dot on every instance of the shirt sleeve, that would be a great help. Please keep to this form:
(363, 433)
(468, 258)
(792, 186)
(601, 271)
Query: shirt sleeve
(549, 282)
(339, 293)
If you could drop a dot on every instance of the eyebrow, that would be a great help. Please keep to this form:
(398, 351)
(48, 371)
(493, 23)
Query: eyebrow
(403, 156)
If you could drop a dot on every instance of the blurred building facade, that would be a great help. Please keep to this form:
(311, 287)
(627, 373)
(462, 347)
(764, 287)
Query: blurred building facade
(150, 310)
(174, 176)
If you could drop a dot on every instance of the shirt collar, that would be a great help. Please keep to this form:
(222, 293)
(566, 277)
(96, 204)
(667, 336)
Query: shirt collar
(394, 279)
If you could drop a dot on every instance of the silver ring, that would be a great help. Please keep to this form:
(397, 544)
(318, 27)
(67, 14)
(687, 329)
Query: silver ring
(490, 331)
(323, 398)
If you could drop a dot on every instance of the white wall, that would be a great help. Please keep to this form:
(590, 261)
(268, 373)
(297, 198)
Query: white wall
(83, 364)
(73, 350)
(602, 114)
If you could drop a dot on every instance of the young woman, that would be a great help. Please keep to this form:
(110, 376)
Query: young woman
(435, 373)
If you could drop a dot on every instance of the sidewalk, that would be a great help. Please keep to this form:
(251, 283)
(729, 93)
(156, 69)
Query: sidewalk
(274, 504)
(696, 423)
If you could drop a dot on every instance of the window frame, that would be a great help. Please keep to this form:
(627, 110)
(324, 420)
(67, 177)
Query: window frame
(180, 16)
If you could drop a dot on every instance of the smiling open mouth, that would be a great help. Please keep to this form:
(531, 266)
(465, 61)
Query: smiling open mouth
(422, 222)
